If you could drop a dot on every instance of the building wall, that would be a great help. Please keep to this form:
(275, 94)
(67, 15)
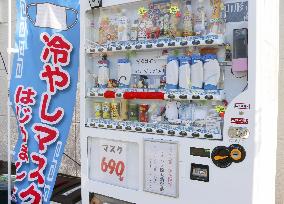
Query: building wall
(280, 150)
(73, 146)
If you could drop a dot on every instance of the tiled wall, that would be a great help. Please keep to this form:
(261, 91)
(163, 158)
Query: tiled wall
(73, 146)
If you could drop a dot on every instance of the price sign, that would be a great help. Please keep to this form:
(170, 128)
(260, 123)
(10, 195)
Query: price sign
(114, 162)
(112, 167)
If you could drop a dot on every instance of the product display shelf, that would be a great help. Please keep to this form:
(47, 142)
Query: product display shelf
(151, 44)
(179, 94)
(160, 129)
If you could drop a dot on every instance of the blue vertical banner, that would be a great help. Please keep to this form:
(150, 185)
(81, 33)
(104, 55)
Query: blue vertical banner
(43, 92)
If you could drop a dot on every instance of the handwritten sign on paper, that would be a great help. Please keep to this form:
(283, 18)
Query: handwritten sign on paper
(161, 168)
(236, 12)
(113, 160)
(151, 63)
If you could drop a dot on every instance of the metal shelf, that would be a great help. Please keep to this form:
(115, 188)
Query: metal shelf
(160, 129)
(152, 44)
(178, 95)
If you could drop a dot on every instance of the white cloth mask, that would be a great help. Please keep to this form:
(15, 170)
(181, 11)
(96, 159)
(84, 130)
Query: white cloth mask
(51, 16)
(172, 110)
(212, 74)
(197, 74)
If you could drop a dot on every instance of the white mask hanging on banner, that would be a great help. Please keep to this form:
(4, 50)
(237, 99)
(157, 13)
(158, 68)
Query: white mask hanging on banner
(51, 16)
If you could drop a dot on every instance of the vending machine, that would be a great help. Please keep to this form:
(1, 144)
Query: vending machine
(178, 101)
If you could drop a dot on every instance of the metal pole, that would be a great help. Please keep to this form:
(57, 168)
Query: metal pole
(8, 101)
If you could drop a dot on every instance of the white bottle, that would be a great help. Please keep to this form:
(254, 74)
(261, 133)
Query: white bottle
(134, 31)
(124, 73)
(188, 19)
(215, 21)
(212, 72)
(123, 27)
(172, 73)
(200, 19)
(103, 75)
(184, 72)
(196, 72)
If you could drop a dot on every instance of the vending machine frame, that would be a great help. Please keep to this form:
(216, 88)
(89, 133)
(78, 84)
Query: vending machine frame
(250, 182)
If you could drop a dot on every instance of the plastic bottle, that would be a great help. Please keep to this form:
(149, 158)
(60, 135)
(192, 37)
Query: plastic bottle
(134, 31)
(123, 27)
(124, 110)
(188, 20)
(103, 74)
(215, 21)
(200, 19)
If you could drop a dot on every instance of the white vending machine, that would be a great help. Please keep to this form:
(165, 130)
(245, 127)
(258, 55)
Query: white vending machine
(179, 101)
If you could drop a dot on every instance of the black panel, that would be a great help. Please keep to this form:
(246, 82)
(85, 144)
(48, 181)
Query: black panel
(199, 172)
(199, 152)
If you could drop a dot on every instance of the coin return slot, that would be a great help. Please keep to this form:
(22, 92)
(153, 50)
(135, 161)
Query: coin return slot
(199, 172)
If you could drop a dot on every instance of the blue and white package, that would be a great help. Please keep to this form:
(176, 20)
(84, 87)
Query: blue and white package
(124, 73)
(184, 72)
(172, 73)
(185, 112)
(196, 72)
(211, 72)
(172, 111)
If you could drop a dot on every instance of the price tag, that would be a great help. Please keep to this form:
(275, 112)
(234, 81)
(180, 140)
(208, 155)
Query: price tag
(113, 163)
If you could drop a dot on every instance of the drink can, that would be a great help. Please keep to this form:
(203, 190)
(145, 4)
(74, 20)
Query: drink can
(98, 110)
(143, 113)
(133, 112)
(124, 110)
(114, 111)
(106, 110)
